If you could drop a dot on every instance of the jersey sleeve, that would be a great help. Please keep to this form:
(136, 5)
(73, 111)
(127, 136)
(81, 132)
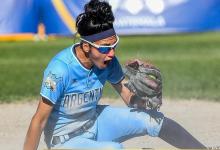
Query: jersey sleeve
(54, 81)
(115, 72)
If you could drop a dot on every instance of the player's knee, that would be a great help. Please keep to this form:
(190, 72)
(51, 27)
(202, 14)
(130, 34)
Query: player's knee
(154, 124)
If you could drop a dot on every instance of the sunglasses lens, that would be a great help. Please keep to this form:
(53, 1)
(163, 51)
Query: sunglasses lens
(104, 49)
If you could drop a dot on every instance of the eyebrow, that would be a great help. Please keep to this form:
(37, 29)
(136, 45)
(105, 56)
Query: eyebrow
(108, 44)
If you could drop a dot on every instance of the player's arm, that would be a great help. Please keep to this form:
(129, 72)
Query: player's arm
(123, 91)
(37, 124)
(127, 96)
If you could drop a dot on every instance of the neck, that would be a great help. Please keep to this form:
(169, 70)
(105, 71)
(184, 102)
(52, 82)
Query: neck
(83, 58)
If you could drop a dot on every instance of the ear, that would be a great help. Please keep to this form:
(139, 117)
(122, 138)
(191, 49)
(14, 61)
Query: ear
(85, 47)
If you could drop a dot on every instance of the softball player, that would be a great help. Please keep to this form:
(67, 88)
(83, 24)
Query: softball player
(72, 85)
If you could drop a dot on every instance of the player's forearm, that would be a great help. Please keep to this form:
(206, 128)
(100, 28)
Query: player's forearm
(126, 95)
(123, 91)
(33, 135)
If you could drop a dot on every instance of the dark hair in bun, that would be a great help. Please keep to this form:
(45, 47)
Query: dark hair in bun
(98, 17)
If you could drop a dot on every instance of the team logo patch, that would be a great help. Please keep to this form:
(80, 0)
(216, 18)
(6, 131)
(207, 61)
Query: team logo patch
(51, 81)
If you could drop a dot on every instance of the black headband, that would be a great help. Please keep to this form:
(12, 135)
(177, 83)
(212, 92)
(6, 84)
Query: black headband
(100, 35)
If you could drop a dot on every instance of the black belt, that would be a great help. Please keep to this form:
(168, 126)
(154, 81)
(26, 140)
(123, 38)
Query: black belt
(56, 139)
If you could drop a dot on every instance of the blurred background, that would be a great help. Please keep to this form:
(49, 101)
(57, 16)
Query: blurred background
(181, 37)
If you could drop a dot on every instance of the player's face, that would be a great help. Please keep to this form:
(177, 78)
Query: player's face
(101, 58)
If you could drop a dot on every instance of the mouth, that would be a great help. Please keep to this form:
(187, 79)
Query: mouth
(106, 62)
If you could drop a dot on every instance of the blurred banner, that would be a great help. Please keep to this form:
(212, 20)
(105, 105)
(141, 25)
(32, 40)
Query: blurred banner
(132, 16)
(166, 16)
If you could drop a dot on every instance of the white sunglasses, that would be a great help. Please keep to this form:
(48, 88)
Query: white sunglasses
(101, 48)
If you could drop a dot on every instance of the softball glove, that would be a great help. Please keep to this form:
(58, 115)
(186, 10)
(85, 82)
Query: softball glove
(145, 81)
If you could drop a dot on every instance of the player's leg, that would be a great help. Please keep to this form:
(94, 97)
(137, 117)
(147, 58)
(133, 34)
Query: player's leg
(85, 143)
(119, 124)
(176, 135)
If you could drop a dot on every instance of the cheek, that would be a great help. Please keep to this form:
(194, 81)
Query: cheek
(95, 56)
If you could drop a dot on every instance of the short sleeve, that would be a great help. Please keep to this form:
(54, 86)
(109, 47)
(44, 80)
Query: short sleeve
(54, 80)
(115, 72)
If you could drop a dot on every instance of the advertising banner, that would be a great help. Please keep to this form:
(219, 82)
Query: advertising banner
(132, 16)
(165, 16)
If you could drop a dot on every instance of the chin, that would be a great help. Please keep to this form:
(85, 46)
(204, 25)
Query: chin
(102, 66)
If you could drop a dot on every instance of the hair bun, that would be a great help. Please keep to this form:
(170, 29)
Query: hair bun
(97, 17)
(100, 12)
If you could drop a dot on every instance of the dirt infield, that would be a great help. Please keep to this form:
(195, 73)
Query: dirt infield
(201, 118)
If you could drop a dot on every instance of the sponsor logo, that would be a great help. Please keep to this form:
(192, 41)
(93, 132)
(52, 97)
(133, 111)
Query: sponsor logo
(51, 81)
(154, 6)
(142, 13)
(74, 81)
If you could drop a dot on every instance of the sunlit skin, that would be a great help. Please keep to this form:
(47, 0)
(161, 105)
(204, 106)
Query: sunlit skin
(89, 55)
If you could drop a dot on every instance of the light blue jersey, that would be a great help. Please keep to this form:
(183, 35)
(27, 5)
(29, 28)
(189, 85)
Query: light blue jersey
(74, 91)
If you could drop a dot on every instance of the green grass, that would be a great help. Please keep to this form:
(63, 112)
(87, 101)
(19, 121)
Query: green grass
(190, 64)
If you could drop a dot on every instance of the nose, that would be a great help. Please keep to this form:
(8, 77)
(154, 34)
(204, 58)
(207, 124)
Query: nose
(111, 53)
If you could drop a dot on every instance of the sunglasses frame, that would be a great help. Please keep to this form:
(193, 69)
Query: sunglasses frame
(100, 47)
